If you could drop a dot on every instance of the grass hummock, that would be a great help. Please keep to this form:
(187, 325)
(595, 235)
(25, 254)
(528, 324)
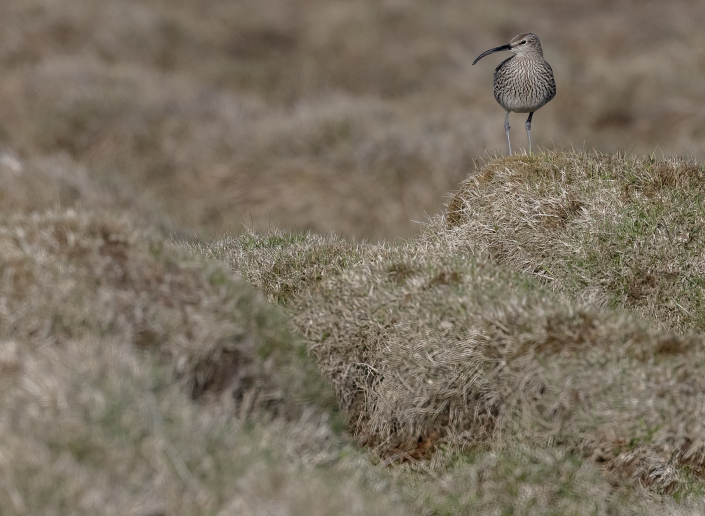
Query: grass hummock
(536, 350)
(554, 307)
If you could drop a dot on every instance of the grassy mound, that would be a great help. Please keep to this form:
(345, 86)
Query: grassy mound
(613, 231)
(502, 343)
(140, 377)
(467, 354)
(283, 264)
(136, 378)
(84, 275)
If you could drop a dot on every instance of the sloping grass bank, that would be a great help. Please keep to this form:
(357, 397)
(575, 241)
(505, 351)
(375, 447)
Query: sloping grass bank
(136, 378)
(508, 330)
(484, 369)
(612, 231)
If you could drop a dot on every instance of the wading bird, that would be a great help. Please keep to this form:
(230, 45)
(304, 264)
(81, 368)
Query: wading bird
(524, 82)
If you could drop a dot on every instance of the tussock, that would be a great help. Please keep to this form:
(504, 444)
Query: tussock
(136, 378)
(282, 264)
(436, 343)
(490, 335)
(36, 184)
(215, 334)
(466, 354)
(489, 385)
(607, 229)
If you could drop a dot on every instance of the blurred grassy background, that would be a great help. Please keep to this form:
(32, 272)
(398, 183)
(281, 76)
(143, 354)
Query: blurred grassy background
(356, 117)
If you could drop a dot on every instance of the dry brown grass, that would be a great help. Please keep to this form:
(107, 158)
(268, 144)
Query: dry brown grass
(283, 264)
(213, 332)
(517, 360)
(36, 184)
(139, 379)
(451, 355)
(328, 115)
(465, 354)
(489, 390)
(610, 230)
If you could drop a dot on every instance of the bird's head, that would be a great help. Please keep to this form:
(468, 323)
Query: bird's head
(526, 44)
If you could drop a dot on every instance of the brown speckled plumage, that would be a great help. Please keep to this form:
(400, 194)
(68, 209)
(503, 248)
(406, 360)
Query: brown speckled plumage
(524, 82)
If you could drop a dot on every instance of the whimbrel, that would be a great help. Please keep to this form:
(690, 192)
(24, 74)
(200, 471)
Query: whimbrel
(524, 82)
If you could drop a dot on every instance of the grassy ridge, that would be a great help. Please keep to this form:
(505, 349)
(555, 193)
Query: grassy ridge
(509, 323)
(609, 230)
(463, 354)
(492, 365)
(137, 378)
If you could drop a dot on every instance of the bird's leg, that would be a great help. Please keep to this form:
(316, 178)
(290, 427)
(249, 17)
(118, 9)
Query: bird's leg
(506, 128)
(528, 130)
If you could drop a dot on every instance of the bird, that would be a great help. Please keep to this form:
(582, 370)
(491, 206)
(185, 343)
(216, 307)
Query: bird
(524, 82)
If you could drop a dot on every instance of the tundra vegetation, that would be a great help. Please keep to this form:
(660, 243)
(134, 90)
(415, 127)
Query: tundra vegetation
(532, 344)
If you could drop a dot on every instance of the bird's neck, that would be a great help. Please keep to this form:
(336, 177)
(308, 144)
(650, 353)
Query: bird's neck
(531, 56)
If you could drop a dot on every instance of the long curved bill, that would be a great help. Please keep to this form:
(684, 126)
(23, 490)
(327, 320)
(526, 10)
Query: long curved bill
(492, 51)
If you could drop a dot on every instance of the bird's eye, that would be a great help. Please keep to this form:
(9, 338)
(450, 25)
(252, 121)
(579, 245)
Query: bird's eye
(523, 42)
